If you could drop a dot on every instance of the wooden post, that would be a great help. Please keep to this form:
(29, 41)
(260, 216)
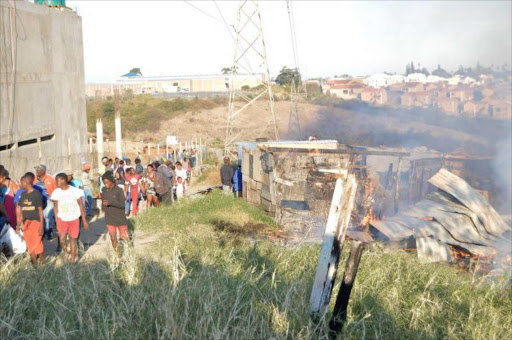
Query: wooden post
(337, 223)
(397, 189)
(339, 315)
(158, 149)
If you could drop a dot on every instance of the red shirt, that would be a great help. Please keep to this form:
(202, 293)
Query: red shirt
(133, 182)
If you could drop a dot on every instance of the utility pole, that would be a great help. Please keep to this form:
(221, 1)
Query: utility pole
(249, 60)
(293, 121)
(119, 138)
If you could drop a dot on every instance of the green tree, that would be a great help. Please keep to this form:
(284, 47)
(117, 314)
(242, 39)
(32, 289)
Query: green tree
(440, 72)
(227, 70)
(136, 70)
(286, 76)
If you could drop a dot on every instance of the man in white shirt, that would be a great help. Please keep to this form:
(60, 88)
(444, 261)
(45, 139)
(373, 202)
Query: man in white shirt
(68, 208)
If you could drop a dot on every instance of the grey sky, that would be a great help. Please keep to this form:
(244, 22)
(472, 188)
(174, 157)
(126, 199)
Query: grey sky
(173, 38)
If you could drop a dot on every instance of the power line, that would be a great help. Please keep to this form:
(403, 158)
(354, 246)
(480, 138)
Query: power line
(291, 21)
(200, 10)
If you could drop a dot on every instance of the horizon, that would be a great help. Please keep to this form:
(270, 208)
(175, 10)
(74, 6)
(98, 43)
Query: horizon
(333, 38)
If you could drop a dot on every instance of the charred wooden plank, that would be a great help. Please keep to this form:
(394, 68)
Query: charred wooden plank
(339, 315)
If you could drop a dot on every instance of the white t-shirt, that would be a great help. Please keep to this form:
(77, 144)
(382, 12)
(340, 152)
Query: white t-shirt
(179, 190)
(181, 173)
(69, 210)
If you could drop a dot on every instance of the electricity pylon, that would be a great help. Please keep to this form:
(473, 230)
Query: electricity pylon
(250, 58)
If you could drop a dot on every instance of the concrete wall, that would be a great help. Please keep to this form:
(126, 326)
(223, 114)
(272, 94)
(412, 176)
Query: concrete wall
(48, 88)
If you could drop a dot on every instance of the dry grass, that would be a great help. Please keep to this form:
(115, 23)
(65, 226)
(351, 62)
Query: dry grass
(212, 284)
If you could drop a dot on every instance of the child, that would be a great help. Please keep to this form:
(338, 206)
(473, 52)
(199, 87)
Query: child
(30, 215)
(113, 206)
(68, 207)
(133, 187)
(180, 188)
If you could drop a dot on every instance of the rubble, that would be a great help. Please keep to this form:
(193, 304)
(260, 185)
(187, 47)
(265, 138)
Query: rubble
(454, 221)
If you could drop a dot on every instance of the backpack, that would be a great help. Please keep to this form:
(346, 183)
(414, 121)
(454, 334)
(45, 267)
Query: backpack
(161, 185)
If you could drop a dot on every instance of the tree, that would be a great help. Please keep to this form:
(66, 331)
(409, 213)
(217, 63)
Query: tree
(425, 71)
(228, 70)
(286, 76)
(136, 70)
(441, 72)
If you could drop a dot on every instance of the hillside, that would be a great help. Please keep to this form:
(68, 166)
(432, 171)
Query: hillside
(218, 269)
(151, 120)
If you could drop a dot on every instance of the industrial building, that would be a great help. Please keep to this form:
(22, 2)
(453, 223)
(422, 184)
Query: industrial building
(42, 87)
(138, 84)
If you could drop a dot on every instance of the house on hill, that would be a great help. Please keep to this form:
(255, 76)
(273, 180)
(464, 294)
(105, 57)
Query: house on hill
(374, 96)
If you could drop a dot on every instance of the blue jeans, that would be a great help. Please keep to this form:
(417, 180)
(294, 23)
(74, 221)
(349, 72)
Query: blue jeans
(49, 217)
(88, 201)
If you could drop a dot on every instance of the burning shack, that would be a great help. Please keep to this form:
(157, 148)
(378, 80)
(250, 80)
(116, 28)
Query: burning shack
(294, 180)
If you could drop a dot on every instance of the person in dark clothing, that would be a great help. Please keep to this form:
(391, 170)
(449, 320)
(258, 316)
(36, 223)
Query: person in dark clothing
(138, 166)
(114, 207)
(226, 176)
(30, 217)
(238, 184)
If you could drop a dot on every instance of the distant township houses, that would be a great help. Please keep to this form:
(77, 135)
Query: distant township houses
(484, 97)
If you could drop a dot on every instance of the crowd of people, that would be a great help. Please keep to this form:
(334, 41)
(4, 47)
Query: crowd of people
(31, 207)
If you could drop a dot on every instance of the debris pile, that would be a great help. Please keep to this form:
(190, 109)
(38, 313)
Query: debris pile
(454, 222)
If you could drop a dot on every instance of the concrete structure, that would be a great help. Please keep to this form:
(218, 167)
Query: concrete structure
(137, 84)
(42, 102)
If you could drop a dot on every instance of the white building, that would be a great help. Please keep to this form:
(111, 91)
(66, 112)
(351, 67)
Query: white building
(384, 80)
(416, 78)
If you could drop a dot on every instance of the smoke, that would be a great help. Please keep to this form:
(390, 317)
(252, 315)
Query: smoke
(502, 168)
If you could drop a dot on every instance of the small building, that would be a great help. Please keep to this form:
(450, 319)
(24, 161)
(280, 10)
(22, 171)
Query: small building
(416, 99)
(474, 108)
(374, 96)
(448, 105)
(345, 91)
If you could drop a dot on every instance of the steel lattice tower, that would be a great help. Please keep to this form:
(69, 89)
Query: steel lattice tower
(250, 58)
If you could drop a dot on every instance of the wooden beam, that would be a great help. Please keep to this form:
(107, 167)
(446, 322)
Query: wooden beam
(339, 315)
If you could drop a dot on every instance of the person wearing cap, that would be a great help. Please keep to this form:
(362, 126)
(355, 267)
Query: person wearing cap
(87, 184)
(47, 184)
(226, 176)
(113, 206)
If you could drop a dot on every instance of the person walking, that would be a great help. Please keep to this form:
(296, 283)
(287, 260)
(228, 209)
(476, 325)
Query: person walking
(132, 187)
(113, 206)
(149, 187)
(163, 184)
(47, 184)
(30, 218)
(226, 176)
(87, 184)
(68, 207)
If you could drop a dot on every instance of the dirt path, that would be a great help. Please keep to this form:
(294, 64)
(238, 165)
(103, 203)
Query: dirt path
(96, 241)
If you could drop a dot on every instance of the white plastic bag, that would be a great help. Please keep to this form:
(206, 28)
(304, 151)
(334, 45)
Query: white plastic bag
(13, 242)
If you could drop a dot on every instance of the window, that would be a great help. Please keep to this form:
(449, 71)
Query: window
(6, 147)
(175, 84)
(27, 142)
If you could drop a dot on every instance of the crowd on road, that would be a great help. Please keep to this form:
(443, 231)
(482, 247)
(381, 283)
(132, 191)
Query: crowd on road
(31, 207)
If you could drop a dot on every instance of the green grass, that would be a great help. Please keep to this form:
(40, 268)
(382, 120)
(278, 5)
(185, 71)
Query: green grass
(208, 279)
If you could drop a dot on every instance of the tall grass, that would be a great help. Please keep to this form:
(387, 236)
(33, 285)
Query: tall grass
(207, 279)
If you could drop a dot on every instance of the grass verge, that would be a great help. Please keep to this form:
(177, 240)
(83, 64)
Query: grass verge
(208, 282)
